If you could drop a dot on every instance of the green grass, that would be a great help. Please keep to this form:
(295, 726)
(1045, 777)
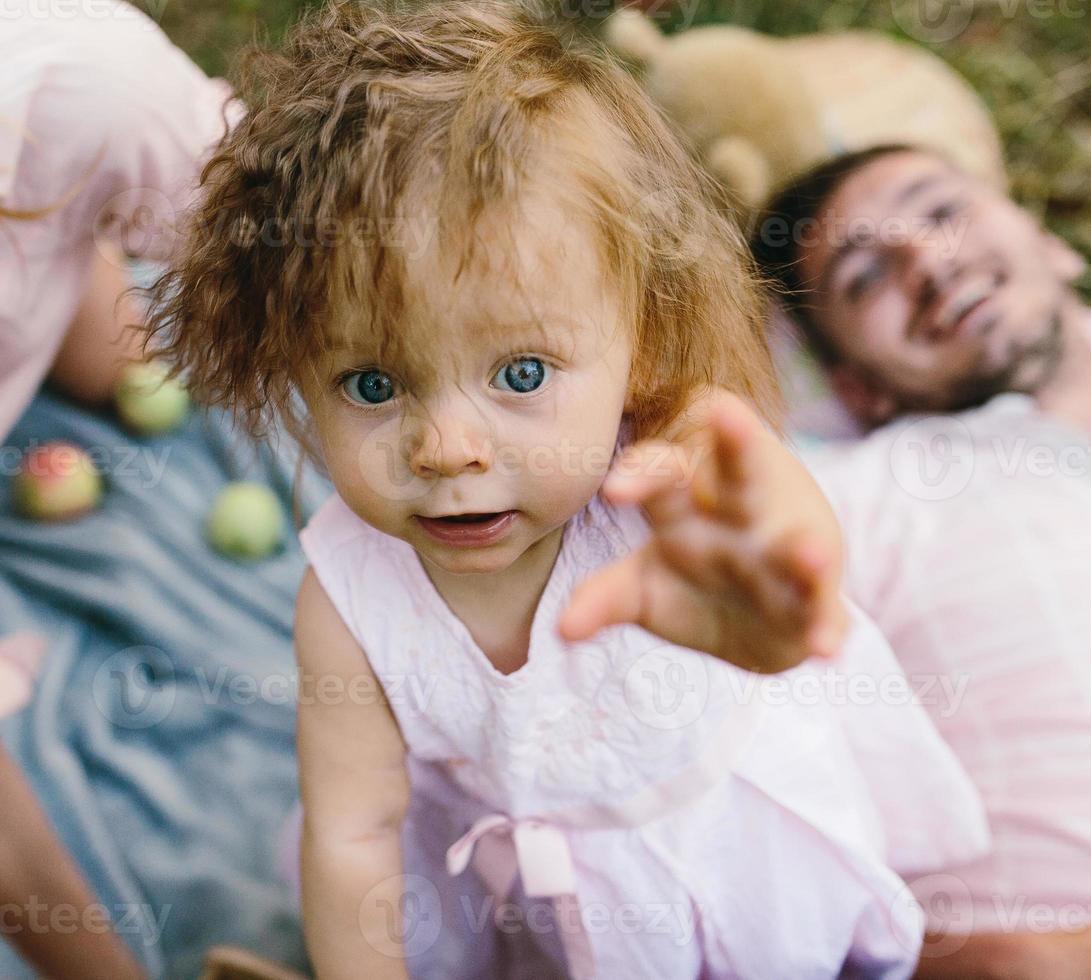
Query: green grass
(1029, 59)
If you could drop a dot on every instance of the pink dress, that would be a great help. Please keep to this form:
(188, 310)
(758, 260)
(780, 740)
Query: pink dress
(642, 810)
(77, 80)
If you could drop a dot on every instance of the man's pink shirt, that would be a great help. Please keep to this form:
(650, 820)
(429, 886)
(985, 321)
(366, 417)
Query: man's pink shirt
(969, 541)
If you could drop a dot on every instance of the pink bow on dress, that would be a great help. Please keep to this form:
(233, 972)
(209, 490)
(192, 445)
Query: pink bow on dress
(538, 851)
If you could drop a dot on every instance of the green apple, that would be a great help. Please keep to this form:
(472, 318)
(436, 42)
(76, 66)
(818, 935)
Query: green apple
(246, 521)
(148, 401)
(57, 482)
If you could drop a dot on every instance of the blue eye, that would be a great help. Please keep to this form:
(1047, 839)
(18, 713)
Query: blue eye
(368, 387)
(523, 375)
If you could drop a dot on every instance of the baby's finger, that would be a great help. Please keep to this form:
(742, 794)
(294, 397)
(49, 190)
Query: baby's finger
(805, 563)
(609, 597)
(645, 469)
(725, 485)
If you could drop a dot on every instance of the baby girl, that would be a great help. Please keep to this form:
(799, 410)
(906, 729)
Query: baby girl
(464, 260)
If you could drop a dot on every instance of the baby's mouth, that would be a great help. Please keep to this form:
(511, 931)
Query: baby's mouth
(469, 518)
(469, 529)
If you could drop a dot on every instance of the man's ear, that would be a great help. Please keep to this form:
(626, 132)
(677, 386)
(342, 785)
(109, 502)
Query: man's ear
(862, 396)
(1065, 260)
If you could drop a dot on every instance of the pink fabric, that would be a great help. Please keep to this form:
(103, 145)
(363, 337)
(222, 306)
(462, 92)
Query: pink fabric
(77, 80)
(969, 543)
(776, 868)
(538, 852)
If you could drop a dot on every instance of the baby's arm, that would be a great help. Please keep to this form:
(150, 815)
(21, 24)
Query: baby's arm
(355, 792)
(744, 562)
(34, 867)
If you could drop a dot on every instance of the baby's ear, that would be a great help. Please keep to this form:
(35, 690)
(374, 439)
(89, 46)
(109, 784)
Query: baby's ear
(861, 396)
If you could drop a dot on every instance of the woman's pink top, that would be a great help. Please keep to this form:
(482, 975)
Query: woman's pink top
(77, 80)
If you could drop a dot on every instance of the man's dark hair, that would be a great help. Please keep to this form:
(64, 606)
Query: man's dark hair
(782, 228)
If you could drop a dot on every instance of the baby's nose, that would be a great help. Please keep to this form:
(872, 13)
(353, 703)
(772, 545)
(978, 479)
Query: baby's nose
(453, 441)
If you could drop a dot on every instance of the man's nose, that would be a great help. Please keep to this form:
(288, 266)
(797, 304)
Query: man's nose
(451, 439)
(930, 269)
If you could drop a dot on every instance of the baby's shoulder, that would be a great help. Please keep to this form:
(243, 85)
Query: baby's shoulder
(335, 533)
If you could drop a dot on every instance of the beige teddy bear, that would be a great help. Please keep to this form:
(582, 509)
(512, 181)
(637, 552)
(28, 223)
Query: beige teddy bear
(760, 110)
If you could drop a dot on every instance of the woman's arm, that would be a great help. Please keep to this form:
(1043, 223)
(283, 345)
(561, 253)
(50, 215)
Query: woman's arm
(35, 870)
(100, 340)
(355, 792)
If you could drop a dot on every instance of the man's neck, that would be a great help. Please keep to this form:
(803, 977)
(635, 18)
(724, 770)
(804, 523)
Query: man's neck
(1067, 395)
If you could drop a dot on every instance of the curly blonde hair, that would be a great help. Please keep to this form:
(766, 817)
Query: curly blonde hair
(371, 108)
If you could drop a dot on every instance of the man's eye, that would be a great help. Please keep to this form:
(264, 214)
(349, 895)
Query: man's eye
(944, 212)
(368, 387)
(523, 375)
(864, 280)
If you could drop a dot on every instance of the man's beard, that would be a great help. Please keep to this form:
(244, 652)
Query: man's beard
(976, 389)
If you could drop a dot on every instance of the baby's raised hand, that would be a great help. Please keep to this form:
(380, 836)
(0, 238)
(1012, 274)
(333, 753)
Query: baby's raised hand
(744, 561)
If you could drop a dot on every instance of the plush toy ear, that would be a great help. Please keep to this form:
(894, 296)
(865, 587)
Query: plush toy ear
(633, 36)
(742, 168)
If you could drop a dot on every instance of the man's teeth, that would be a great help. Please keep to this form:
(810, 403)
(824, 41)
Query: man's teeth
(971, 299)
